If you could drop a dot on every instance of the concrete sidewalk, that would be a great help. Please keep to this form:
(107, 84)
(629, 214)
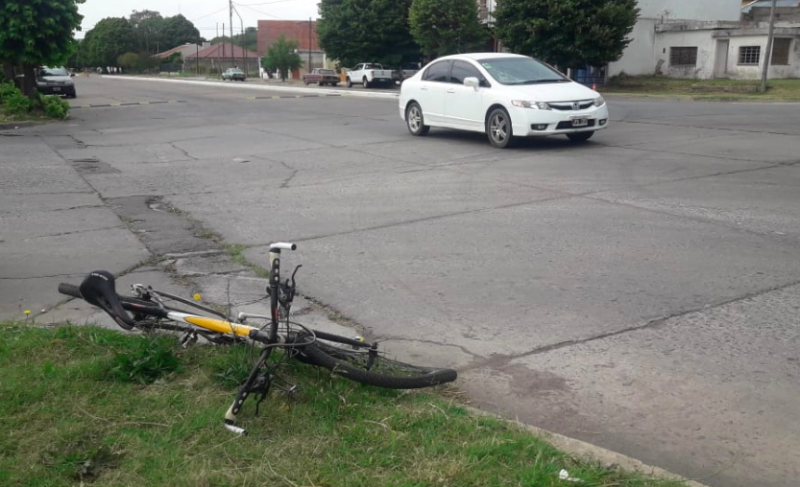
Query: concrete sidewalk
(54, 227)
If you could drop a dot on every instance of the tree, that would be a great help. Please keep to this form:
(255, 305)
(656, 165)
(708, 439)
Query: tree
(443, 27)
(148, 25)
(177, 31)
(37, 33)
(567, 33)
(249, 41)
(355, 31)
(109, 39)
(281, 56)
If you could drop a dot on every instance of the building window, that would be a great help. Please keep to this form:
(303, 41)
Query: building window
(749, 55)
(780, 52)
(683, 56)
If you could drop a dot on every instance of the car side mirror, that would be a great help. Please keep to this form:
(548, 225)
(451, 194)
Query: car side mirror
(71, 75)
(472, 82)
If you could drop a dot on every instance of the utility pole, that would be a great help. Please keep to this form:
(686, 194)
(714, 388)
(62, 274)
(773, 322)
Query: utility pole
(222, 65)
(770, 40)
(233, 50)
(197, 58)
(241, 39)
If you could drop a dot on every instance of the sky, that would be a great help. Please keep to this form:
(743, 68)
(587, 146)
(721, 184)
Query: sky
(205, 14)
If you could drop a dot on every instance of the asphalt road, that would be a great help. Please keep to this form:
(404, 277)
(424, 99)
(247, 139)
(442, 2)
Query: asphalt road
(640, 292)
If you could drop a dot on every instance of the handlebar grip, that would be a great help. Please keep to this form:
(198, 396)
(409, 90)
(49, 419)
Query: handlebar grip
(283, 246)
(259, 336)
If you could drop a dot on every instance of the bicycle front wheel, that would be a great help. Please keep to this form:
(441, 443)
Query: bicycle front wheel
(374, 369)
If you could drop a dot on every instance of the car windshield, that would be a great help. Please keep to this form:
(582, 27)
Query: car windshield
(326, 71)
(521, 71)
(53, 72)
(235, 70)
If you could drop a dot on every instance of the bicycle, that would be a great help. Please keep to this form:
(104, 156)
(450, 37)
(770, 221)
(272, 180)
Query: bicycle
(352, 358)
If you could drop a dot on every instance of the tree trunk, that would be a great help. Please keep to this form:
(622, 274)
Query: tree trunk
(29, 81)
(8, 72)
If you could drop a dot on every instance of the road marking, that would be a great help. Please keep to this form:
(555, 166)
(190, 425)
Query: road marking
(128, 104)
(291, 97)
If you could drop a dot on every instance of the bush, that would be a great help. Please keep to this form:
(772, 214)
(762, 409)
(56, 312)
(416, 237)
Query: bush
(55, 107)
(16, 104)
(6, 90)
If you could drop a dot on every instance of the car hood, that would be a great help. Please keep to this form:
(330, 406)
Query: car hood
(550, 92)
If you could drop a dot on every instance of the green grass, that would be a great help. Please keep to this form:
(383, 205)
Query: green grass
(67, 418)
(236, 253)
(713, 90)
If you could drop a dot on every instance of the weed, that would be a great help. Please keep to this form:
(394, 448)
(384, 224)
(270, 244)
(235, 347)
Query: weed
(152, 358)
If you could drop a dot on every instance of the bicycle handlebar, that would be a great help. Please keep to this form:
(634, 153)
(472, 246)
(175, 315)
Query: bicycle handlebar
(283, 246)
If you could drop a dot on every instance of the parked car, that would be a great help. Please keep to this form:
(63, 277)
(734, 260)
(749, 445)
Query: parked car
(405, 71)
(321, 77)
(233, 74)
(54, 81)
(503, 95)
(369, 75)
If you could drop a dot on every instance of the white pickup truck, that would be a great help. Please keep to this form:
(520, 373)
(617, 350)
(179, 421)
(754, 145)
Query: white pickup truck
(369, 74)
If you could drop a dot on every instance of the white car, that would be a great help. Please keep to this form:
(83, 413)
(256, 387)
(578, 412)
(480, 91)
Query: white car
(503, 95)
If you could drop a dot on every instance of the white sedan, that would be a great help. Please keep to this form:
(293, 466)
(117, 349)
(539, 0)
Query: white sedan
(503, 95)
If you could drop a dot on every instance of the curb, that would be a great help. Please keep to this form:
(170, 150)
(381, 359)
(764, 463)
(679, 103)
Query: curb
(287, 89)
(587, 451)
(18, 125)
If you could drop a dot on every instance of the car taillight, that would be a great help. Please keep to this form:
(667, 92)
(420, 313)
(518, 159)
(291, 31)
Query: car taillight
(372, 73)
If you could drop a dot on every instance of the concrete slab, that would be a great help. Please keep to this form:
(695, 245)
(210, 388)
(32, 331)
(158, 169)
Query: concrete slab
(623, 391)
(372, 201)
(763, 201)
(541, 273)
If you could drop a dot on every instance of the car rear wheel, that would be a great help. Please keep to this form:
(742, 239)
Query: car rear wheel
(498, 128)
(580, 136)
(415, 120)
(366, 82)
(349, 83)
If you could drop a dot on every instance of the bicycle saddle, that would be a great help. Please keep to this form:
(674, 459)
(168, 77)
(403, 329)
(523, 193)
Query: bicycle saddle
(99, 289)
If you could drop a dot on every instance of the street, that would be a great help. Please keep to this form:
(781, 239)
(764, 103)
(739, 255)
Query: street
(639, 292)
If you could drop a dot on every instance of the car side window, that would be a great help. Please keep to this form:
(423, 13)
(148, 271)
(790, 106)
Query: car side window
(357, 68)
(438, 72)
(463, 70)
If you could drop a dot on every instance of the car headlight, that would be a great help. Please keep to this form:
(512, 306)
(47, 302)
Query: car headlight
(599, 101)
(536, 105)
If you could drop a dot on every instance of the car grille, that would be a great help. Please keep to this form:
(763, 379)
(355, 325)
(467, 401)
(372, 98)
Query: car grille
(568, 125)
(571, 105)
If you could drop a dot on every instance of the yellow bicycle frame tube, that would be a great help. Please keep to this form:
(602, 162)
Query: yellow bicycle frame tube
(211, 324)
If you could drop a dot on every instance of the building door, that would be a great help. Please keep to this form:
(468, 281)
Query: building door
(721, 59)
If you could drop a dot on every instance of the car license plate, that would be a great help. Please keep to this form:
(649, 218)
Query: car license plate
(56, 88)
(580, 122)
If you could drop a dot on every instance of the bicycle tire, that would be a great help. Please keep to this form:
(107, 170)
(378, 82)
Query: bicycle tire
(75, 292)
(385, 372)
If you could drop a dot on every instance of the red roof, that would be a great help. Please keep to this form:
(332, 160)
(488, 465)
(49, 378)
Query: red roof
(166, 54)
(216, 52)
(294, 30)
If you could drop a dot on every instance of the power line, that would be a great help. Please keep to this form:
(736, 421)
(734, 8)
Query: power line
(259, 11)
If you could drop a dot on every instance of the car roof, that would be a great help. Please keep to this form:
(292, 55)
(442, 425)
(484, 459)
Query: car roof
(475, 56)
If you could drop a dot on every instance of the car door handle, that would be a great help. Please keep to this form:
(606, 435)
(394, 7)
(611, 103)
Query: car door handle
(451, 91)
(424, 88)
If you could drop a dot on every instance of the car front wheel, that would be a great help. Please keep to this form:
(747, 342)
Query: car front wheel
(415, 120)
(498, 128)
(580, 136)
(349, 83)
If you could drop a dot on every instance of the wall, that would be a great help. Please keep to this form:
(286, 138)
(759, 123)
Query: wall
(638, 58)
(706, 52)
(754, 72)
(295, 30)
(691, 9)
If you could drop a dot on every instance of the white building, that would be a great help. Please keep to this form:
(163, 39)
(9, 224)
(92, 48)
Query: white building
(706, 39)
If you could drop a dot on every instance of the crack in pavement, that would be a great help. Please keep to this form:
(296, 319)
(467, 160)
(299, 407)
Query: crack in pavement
(500, 361)
(172, 144)
(78, 231)
(385, 338)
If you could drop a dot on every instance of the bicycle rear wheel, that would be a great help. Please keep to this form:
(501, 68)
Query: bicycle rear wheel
(372, 368)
